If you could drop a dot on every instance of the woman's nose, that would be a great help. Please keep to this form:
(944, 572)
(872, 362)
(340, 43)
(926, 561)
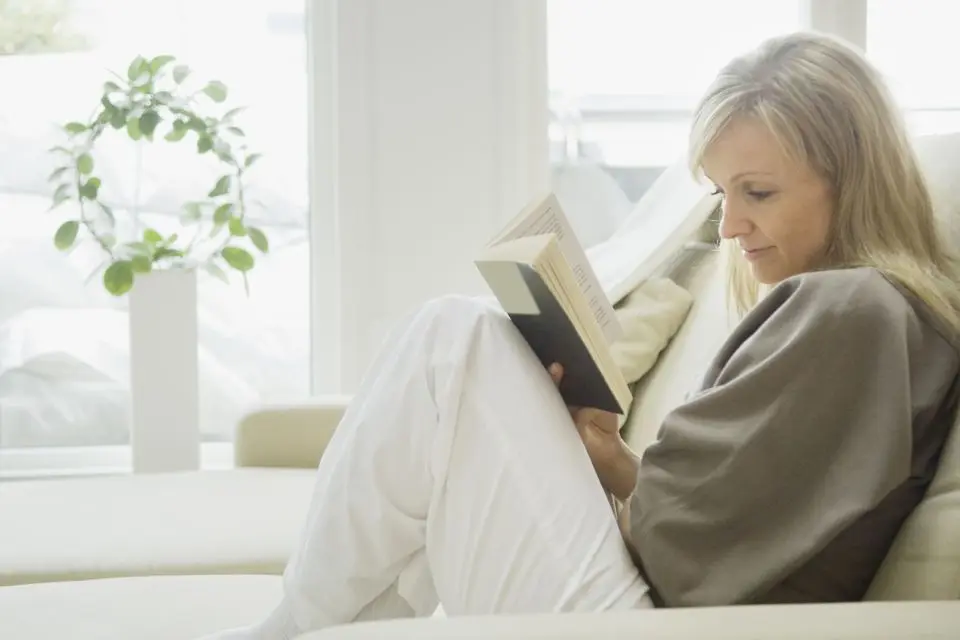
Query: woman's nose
(733, 223)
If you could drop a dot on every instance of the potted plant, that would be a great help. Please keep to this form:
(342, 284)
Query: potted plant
(158, 101)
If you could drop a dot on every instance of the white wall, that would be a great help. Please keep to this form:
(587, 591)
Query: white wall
(429, 131)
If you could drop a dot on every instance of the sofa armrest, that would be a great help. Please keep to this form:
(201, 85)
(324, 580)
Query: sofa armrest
(288, 435)
(858, 621)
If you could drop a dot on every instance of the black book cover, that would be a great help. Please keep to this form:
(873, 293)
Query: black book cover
(554, 338)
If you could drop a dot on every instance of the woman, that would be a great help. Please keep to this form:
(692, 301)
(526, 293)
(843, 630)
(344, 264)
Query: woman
(456, 477)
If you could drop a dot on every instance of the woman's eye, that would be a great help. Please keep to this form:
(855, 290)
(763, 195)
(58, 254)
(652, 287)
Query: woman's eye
(760, 195)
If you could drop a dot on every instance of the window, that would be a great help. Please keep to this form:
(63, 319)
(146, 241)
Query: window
(624, 76)
(915, 45)
(63, 339)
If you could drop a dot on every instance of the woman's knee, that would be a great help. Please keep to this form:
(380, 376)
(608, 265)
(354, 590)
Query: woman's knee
(464, 311)
(455, 325)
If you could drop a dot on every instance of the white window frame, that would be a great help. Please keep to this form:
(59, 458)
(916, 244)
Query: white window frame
(847, 19)
(31, 463)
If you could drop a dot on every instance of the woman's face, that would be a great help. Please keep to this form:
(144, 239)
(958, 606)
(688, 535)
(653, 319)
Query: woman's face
(776, 210)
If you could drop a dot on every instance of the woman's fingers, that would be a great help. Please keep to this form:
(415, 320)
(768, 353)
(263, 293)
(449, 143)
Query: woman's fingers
(603, 420)
(556, 372)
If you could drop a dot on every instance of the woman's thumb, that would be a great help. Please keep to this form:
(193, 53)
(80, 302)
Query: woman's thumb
(556, 372)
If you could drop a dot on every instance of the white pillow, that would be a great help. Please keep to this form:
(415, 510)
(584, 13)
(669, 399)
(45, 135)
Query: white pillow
(650, 316)
(668, 216)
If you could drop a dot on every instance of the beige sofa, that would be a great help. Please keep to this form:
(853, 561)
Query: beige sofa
(180, 555)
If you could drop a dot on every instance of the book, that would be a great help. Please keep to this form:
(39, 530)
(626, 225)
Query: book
(541, 277)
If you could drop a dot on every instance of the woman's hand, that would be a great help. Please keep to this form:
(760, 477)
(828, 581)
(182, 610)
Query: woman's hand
(615, 463)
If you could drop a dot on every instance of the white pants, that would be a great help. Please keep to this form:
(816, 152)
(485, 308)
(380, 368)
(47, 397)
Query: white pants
(457, 478)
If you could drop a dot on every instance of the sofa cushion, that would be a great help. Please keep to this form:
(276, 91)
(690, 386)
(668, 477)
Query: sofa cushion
(924, 562)
(670, 213)
(142, 608)
(871, 621)
(237, 521)
(681, 364)
(650, 316)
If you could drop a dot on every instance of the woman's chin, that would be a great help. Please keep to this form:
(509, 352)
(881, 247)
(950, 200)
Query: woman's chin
(769, 274)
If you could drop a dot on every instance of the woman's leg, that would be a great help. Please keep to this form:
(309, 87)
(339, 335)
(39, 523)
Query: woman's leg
(455, 477)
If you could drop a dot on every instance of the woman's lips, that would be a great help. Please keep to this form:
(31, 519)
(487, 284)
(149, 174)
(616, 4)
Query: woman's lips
(755, 254)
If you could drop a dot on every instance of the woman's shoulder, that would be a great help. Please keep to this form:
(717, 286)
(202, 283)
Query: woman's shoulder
(856, 299)
(846, 289)
(849, 296)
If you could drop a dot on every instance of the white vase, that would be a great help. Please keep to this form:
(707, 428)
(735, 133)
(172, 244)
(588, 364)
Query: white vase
(164, 377)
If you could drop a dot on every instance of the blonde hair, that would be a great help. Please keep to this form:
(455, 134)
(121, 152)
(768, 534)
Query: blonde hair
(830, 109)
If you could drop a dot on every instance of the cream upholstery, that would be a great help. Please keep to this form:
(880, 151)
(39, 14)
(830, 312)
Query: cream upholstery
(246, 520)
(913, 621)
(240, 521)
(650, 316)
(156, 608)
(274, 435)
(924, 562)
(679, 367)
(188, 607)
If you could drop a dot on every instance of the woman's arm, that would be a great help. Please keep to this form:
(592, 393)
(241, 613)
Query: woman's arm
(805, 424)
(619, 475)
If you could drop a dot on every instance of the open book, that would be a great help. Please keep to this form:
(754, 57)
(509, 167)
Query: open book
(540, 274)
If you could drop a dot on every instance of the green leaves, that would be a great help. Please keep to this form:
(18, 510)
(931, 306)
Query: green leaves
(73, 128)
(191, 212)
(138, 66)
(222, 187)
(85, 164)
(214, 269)
(66, 235)
(150, 236)
(159, 63)
(204, 144)
(156, 98)
(118, 277)
(259, 239)
(216, 91)
(222, 213)
(133, 128)
(90, 188)
(61, 195)
(237, 228)
(238, 258)
(180, 73)
(178, 131)
(141, 264)
(140, 249)
(108, 214)
(231, 114)
(118, 118)
(148, 122)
